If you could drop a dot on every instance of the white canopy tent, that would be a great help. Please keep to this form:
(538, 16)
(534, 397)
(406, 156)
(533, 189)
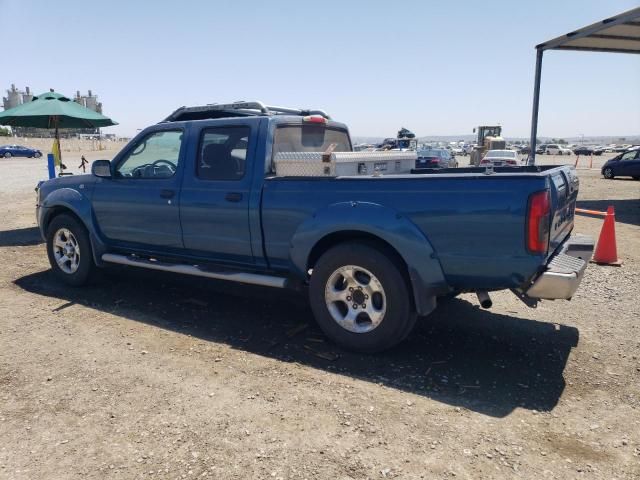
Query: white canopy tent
(618, 34)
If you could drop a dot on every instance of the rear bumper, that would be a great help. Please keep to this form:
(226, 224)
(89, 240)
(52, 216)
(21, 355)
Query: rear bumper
(563, 274)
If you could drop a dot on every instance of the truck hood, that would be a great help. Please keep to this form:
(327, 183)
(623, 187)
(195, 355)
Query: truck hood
(82, 183)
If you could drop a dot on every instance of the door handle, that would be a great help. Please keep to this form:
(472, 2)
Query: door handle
(167, 193)
(233, 197)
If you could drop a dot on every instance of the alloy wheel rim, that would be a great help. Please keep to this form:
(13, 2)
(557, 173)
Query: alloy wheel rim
(66, 250)
(355, 299)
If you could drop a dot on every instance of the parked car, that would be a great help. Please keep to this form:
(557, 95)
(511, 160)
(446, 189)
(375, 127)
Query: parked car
(541, 149)
(8, 151)
(583, 151)
(500, 158)
(457, 151)
(626, 164)
(599, 150)
(467, 149)
(436, 158)
(523, 149)
(200, 194)
(555, 149)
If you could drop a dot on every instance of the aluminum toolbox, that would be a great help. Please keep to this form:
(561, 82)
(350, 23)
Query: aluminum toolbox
(336, 164)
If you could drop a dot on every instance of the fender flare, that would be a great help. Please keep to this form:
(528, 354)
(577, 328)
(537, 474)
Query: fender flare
(72, 200)
(424, 269)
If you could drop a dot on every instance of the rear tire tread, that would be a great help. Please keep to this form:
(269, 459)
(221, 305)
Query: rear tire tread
(399, 318)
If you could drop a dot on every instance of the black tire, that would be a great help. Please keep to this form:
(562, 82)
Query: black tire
(7, 154)
(636, 178)
(608, 173)
(37, 155)
(86, 268)
(399, 317)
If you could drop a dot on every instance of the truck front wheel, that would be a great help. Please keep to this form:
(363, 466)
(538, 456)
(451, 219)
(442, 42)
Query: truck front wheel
(360, 298)
(69, 250)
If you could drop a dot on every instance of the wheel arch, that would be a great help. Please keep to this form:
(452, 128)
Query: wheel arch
(343, 236)
(379, 226)
(69, 201)
(56, 211)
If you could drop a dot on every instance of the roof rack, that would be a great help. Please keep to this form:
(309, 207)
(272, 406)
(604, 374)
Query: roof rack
(237, 109)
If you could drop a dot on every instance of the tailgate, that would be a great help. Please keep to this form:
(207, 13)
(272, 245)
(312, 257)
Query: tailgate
(563, 186)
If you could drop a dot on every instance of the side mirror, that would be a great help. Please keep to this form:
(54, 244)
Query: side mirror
(101, 168)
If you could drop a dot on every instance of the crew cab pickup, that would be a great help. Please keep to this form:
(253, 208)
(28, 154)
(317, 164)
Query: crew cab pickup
(199, 194)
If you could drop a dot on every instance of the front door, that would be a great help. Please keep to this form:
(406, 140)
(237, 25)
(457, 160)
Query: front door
(214, 204)
(629, 164)
(139, 207)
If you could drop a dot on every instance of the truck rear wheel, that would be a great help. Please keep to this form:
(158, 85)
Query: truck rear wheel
(69, 250)
(360, 298)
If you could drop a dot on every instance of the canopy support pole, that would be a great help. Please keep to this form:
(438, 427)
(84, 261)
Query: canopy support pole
(57, 137)
(536, 106)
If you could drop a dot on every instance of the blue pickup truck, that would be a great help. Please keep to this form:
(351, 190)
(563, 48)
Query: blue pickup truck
(199, 194)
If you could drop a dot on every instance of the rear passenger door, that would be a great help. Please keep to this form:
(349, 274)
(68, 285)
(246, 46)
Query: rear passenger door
(630, 164)
(214, 208)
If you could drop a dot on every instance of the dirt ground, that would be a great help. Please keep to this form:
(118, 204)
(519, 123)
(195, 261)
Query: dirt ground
(154, 376)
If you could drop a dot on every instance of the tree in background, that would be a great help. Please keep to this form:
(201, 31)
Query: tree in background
(5, 132)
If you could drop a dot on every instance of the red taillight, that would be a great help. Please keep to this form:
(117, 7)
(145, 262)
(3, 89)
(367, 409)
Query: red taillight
(314, 119)
(484, 162)
(538, 222)
(511, 162)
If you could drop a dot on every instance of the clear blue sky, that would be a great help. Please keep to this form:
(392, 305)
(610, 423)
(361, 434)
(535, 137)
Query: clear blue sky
(437, 68)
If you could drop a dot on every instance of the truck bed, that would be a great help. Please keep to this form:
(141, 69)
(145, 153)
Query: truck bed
(474, 221)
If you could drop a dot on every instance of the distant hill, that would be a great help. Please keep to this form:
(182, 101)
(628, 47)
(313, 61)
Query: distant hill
(605, 140)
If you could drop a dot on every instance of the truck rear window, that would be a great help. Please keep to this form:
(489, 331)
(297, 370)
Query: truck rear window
(310, 138)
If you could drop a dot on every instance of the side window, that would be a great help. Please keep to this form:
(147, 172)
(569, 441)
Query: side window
(223, 153)
(629, 156)
(155, 156)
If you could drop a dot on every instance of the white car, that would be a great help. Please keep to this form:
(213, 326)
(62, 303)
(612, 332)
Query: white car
(555, 149)
(500, 158)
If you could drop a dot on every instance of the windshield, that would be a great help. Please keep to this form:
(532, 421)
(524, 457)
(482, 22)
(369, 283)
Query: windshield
(310, 138)
(501, 154)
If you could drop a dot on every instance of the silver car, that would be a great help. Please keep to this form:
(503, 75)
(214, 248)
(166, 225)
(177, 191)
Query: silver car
(500, 158)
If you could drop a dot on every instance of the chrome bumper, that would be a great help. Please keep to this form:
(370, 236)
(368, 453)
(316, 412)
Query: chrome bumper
(564, 272)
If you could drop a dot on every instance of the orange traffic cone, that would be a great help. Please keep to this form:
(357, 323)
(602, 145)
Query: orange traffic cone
(606, 250)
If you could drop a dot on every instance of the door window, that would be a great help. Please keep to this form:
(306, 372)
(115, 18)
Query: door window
(155, 156)
(629, 156)
(223, 153)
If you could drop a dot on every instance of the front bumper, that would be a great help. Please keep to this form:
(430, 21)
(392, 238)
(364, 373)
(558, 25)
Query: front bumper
(563, 274)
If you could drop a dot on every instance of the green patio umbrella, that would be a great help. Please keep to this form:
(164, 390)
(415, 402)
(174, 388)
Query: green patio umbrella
(53, 110)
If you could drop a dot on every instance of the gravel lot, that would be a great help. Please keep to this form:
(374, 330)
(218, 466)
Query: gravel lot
(153, 376)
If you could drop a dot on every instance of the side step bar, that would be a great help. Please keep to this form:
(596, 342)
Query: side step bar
(240, 277)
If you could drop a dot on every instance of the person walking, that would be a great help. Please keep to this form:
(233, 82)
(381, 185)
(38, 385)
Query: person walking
(83, 164)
